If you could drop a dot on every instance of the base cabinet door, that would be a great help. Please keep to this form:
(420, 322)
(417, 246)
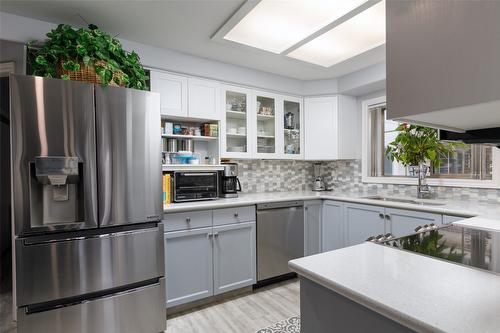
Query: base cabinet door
(188, 258)
(403, 222)
(312, 227)
(362, 221)
(332, 230)
(234, 256)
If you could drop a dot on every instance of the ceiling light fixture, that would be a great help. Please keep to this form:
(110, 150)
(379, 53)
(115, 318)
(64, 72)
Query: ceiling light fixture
(276, 26)
(356, 35)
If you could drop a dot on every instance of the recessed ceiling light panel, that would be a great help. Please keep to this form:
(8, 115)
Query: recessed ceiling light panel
(275, 25)
(358, 34)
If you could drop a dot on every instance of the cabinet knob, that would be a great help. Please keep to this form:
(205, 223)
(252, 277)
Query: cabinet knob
(388, 217)
(236, 214)
(381, 215)
(216, 234)
(188, 219)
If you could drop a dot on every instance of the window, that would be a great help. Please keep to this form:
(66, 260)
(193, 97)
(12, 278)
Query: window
(471, 166)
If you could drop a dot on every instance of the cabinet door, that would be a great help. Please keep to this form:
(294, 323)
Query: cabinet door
(312, 227)
(265, 127)
(173, 93)
(291, 133)
(234, 256)
(235, 122)
(362, 221)
(188, 262)
(332, 231)
(204, 99)
(403, 222)
(321, 128)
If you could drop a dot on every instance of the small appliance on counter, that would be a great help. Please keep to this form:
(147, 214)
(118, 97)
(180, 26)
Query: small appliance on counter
(195, 185)
(230, 184)
(319, 183)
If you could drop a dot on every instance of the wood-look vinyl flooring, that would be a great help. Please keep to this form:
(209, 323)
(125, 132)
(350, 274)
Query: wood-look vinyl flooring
(244, 313)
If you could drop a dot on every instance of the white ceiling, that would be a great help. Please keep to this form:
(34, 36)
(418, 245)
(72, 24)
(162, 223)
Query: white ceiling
(186, 26)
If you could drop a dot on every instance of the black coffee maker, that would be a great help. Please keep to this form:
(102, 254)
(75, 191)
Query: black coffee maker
(229, 183)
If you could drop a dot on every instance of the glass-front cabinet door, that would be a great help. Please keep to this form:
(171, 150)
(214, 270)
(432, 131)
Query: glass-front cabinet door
(235, 122)
(265, 121)
(291, 127)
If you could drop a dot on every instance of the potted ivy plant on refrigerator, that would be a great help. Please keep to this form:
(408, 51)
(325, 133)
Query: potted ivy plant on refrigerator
(86, 54)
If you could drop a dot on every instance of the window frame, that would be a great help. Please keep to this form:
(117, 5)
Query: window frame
(366, 105)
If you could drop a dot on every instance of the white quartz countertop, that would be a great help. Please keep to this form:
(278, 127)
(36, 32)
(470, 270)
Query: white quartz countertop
(425, 294)
(465, 208)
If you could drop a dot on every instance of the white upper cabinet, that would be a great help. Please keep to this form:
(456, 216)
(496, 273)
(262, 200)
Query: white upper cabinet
(265, 115)
(173, 90)
(236, 122)
(291, 128)
(185, 97)
(332, 128)
(204, 99)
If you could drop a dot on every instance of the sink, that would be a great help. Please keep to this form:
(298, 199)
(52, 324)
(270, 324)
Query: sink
(409, 201)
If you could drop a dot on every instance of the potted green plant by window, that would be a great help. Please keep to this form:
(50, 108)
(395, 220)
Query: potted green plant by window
(86, 54)
(419, 148)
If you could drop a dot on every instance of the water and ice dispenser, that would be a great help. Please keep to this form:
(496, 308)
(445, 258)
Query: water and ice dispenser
(56, 191)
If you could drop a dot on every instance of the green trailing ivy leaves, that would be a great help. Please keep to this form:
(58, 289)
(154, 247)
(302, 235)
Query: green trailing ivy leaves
(418, 144)
(88, 46)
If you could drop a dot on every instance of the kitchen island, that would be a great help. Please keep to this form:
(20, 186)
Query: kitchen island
(370, 287)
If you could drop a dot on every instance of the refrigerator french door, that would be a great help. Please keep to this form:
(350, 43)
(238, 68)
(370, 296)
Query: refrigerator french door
(86, 175)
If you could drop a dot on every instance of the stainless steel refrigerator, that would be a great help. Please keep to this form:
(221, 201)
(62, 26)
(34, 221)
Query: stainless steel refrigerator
(86, 197)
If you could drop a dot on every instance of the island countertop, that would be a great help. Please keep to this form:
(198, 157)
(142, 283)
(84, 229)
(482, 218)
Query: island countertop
(422, 293)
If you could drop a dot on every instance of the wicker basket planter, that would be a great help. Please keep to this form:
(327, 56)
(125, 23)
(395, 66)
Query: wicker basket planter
(88, 74)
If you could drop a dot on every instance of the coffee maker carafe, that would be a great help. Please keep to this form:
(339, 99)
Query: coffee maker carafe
(230, 184)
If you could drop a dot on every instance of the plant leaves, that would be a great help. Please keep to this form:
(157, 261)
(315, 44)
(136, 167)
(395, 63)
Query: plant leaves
(70, 47)
(86, 60)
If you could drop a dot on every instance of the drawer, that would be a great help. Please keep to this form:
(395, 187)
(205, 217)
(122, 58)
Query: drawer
(88, 264)
(111, 313)
(187, 220)
(234, 215)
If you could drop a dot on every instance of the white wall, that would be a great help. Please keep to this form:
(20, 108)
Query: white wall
(22, 29)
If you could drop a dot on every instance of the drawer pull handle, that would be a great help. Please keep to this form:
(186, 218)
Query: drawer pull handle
(188, 219)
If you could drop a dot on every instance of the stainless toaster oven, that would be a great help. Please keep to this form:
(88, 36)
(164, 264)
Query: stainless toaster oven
(195, 185)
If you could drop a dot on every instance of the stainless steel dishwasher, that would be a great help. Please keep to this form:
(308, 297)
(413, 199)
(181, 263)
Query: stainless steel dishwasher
(280, 237)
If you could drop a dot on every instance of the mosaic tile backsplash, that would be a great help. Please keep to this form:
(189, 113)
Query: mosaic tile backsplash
(343, 175)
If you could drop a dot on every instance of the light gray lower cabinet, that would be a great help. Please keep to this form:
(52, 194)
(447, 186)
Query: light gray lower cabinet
(188, 262)
(332, 226)
(234, 256)
(361, 222)
(403, 222)
(207, 261)
(312, 227)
